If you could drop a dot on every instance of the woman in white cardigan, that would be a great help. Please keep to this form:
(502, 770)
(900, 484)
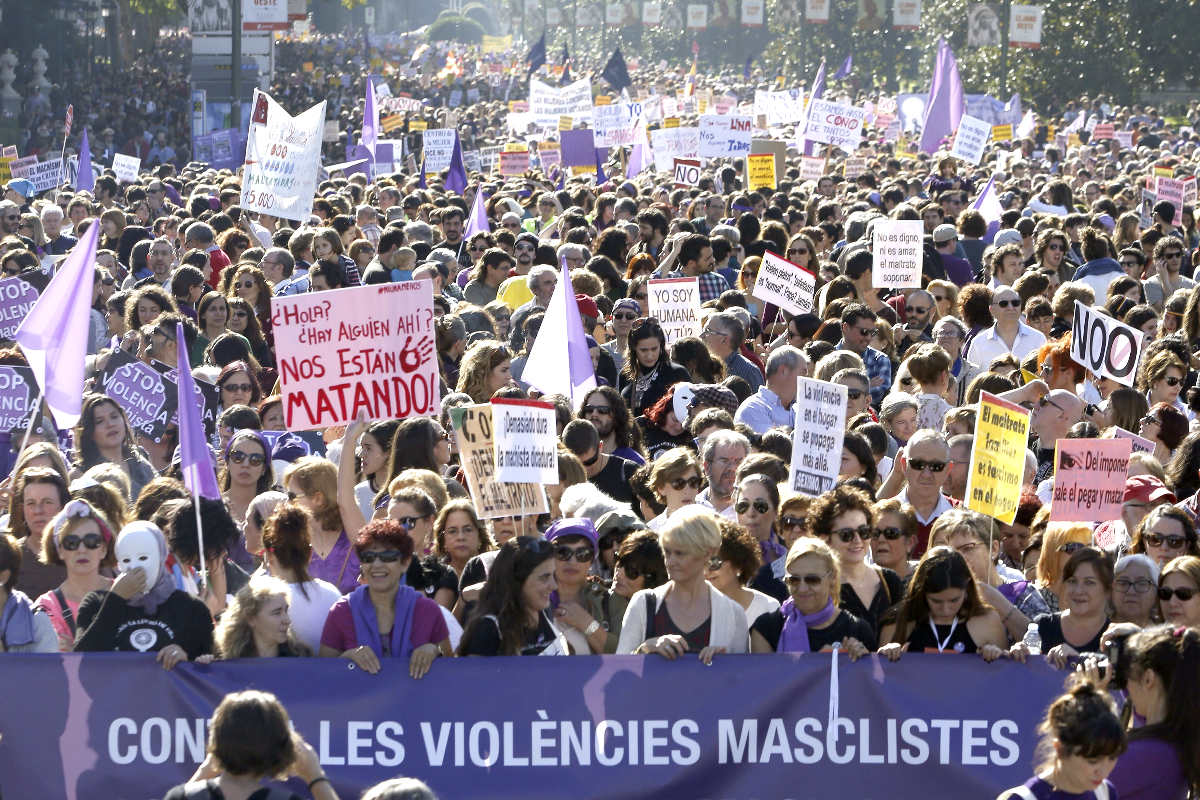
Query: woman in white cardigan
(685, 614)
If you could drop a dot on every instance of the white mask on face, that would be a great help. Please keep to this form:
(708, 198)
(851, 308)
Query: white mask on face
(137, 546)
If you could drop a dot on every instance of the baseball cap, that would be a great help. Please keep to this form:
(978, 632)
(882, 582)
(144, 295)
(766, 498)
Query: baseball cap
(944, 233)
(1007, 236)
(1147, 489)
(618, 520)
(573, 526)
(25, 188)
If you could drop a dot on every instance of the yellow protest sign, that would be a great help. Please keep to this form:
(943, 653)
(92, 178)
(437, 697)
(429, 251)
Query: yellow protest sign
(1164, 172)
(671, 122)
(418, 125)
(1002, 133)
(515, 147)
(392, 122)
(761, 167)
(602, 100)
(701, 105)
(997, 468)
(566, 122)
(1073, 140)
(496, 44)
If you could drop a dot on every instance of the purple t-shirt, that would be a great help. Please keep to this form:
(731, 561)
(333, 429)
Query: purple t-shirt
(1149, 770)
(428, 625)
(340, 567)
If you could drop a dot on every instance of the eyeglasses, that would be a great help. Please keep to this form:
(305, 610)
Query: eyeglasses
(386, 556)
(628, 317)
(1130, 263)
(1171, 542)
(847, 534)
(237, 387)
(1176, 254)
(797, 251)
(715, 563)
(711, 332)
(92, 541)
(631, 572)
(793, 581)
(605, 410)
(1008, 303)
(1140, 586)
(583, 555)
(932, 466)
(240, 315)
(246, 284)
(1045, 400)
(1149, 419)
(408, 523)
(916, 310)
(1071, 547)
(1165, 593)
(1172, 380)
(241, 457)
(891, 534)
(792, 522)
(760, 505)
(525, 246)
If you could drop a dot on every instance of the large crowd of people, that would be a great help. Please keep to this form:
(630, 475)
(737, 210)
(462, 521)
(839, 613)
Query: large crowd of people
(675, 529)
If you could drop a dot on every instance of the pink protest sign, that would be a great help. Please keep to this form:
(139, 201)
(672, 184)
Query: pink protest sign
(1140, 443)
(366, 347)
(1089, 479)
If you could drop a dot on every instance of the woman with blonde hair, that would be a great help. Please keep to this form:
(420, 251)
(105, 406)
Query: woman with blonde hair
(675, 479)
(486, 368)
(257, 625)
(945, 298)
(1058, 542)
(311, 483)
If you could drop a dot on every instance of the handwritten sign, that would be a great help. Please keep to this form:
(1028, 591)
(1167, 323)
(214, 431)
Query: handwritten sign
(854, 166)
(671, 143)
(787, 285)
(820, 410)
(836, 124)
(675, 303)
(439, 148)
(514, 163)
(970, 139)
(492, 497)
(526, 441)
(1002, 133)
(283, 159)
(547, 103)
(1089, 479)
(761, 167)
(366, 347)
(725, 136)
(897, 247)
(126, 167)
(997, 468)
(1105, 346)
(811, 168)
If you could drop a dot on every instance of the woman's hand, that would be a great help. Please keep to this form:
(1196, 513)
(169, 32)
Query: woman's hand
(364, 658)
(171, 655)
(1117, 630)
(574, 615)
(207, 658)
(208, 769)
(130, 583)
(1090, 668)
(307, 766)
(670, 647)
(706, 655)
(1019, 652)
(892, 651)
(421, 659)
(991, 652)
(1059, 654)
(356, 428)
(854, 648)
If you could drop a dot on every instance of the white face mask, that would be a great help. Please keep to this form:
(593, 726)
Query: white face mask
(138, 547)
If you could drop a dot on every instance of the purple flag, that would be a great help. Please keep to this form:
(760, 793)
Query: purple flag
(421, 180)
(84, 179)
(637, 161)
(54, 334)
(818, 91)
(600, 176)
(561, 341)
(478, 221)
(944, 107)
(456, 178)
(844, 69)
(198, 474)
(988, 204)
(370, 126)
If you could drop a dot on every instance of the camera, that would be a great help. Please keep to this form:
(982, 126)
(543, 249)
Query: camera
(1116, 650)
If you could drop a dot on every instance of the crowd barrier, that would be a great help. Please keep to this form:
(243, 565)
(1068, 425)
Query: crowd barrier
(765, 726)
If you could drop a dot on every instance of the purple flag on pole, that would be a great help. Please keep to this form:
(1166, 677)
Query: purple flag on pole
(370, 126)
(198, 474)
(561, 341)
(456, 178)
(478, 221)
(600, 176)
(84, 179)
(818, 91)
(944, 107)
(988, 204)
(844, 69)
(54, 334)
(637, 161)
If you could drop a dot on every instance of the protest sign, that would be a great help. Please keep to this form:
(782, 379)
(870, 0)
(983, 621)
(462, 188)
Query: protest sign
(820, 410)
(547, 103)
(1025, 27)
(675, 303)
(578, 148)
(126, 167)
(970, 139)
(997, 469)
(365, 347)
(816, 11)
(780, 108)
(1171, 190)
(835, 124)
(697, 16)
(811, 168)
(525, 436)
(549, 154)
(149, 394)
(18, 390)
(906, 15)
(686, 172)
(752, 13)
(1107, 347)
(1124, 138)
(787, 285)
(17, 296)
(761, 168)
(1103, 130)
(671, 143)
(854, 166)
(514, 163)
(652, 12)
(1089, 479)
(1139, 443)
(897, 247)
(1146, 208)
(725, 136)
(492, 497)
(283, 159)
(618, 124)
(45, 175)
(1002, 133)
(438, 144)
(19, 167)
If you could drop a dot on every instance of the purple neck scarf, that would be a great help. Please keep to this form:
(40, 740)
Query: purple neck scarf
(794, 638)
(366, 624)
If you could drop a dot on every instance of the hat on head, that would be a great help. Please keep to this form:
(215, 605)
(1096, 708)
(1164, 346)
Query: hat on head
(944, 233)
(22, 186)
(1147, 489)
(587, 306)
(617, 521)
(629, 304)
(1007, 236)
(394, 213)
(1107, 221)
(681, 400)
(715, 395)
(573, 526)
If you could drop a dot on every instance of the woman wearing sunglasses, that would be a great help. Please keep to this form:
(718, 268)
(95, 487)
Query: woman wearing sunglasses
(735, 566)
(1059, 541)
(894, 536)
(577, 605)
(756, 502)
(247, 473)
(1166, 426)
(237, 385)
(943, 612)
(80, 540)
(1087, 585)
(385, 618)
(675, 479)
(1165, 533)
(842, 518)
(1161, 379)
(1179, 592)
(810, 619)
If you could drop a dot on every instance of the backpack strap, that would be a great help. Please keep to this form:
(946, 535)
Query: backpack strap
(67, 614)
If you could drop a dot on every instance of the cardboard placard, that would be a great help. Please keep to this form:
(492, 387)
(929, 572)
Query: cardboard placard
(675, 303)
(525, 437)
(897, 247)
(492, 497)
(761, 169)
(1089, 479)
(820, 410)
(1107, 347)
(787, 285)
(997, 469)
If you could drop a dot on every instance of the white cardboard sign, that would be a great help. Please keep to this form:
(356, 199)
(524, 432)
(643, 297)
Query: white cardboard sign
(525, 433)
(1105, 346)
(820, 410)
(675, 303)
(897, 246)
(787, 285)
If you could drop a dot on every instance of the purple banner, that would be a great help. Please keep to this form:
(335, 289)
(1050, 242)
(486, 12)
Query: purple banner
(149, 394)
(18, 389)
(100, 725)
(578, 148)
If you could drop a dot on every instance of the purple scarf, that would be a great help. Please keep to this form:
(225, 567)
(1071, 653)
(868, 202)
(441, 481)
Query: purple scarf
(794, 638)
(366, 624)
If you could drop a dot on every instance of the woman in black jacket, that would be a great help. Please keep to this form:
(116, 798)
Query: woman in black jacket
(648, 368)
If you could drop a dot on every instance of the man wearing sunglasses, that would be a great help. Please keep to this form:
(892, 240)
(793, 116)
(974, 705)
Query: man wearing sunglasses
(924, 462)
(1169, 253)
(858, 326)
(1054, 412)
(610, 474)
(1008, 335)
(771, 405)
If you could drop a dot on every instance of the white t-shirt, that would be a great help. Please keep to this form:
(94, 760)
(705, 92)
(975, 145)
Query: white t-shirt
(308, 613)
(761, 604)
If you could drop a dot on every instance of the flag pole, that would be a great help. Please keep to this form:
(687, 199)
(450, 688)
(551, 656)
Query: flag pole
(200, 539)
(35, 410)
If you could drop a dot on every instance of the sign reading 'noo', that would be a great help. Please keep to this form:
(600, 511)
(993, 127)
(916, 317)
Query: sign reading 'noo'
(1108, 348)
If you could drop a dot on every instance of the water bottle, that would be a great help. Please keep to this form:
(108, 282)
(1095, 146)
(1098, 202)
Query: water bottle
(1033, 639)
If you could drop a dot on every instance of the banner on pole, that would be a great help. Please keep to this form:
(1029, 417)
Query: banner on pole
(283, 159)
